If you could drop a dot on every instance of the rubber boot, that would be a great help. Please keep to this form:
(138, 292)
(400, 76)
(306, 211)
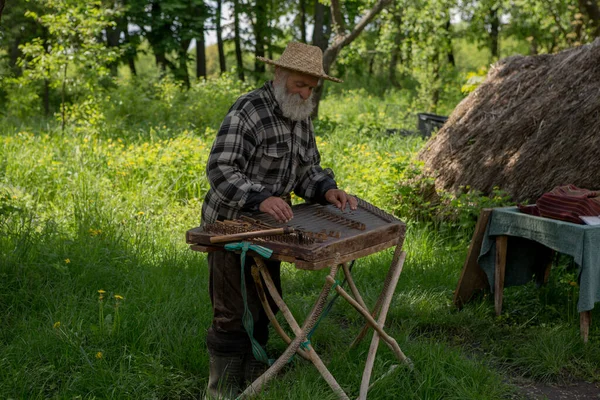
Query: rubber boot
(226, 376)
(253, 368)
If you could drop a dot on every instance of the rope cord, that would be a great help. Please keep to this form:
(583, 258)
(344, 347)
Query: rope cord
(326, 310)
(247, 320)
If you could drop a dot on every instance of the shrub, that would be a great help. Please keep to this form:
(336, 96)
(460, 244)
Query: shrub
(418, 199)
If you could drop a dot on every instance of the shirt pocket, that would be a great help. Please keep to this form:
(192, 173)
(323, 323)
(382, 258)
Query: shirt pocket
(306, 155)
(274, 162)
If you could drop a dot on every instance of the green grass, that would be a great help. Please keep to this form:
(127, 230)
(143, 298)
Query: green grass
(105, 206)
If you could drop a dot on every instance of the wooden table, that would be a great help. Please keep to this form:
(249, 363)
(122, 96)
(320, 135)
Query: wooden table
(500, 238)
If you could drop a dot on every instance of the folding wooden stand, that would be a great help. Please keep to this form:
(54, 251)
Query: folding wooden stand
(300, 344)
(320, 236)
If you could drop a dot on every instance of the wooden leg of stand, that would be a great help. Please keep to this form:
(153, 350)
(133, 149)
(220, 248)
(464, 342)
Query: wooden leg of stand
(265, 303)
(364, 385)
(391, 342)
(585, 318)
(352, 286)
(300, 333)
(501, 244)
(377, 307)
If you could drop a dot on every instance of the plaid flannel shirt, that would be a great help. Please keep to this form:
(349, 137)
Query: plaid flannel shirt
(259, 153)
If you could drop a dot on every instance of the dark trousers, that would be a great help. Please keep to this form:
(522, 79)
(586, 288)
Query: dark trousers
(227, 334)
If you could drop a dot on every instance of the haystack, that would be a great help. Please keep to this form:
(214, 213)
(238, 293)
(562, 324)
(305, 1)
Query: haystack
(532, 125)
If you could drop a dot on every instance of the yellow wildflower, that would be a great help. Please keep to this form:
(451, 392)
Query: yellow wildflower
(101, 291)
(573, 283)
(141, 213)
(67, 261)
(99, 355)
(56, 325)
(119, 297)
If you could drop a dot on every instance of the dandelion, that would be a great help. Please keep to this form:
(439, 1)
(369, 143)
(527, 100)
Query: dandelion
(56, 325)
(101, 291)
(99, 355)
(141, 213)
(573, 283)
(67, 261)
(119, 297)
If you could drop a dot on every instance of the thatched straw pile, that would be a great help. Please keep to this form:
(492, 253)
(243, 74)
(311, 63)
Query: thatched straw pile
(532, 125)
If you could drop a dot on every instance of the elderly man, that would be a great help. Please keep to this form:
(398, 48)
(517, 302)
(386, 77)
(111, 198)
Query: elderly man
(264, 150)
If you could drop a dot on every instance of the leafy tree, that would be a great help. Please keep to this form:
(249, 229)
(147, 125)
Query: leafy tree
(343, 37)
(68, 56)
(19, 29)
(170, 26)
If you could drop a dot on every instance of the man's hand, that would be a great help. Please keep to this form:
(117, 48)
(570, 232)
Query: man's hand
(339, 198)
(277, 208)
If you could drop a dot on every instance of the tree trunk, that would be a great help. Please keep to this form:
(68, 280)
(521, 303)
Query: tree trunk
(238, 40)
(303, 20)
(533, 47)
(155, 37)
(319, 38)
(14, 54)
(267, 33)
(435, 94)
(220, 37)
(259, 35)
(46, 93)
(201, 56)
(395, 56)
(113, 36)
(450, 52)
(130, 52)
(341, 40)
(46, 97)
(374, 53)
(494, 30)
(182, 72)
(592, 10)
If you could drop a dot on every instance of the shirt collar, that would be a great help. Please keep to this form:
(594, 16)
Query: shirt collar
(270, 91)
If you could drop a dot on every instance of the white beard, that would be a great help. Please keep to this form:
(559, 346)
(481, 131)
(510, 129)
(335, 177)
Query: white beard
(292, 105)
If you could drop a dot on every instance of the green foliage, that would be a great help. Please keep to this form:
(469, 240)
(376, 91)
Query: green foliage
(418, 199)
(135, 105)
(473, 80)
(105, 206)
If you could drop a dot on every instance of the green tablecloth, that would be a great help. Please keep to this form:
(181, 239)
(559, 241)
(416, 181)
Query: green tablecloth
(530, 239)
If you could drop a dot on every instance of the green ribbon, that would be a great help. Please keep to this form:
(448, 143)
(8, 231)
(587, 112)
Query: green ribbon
(247, 320)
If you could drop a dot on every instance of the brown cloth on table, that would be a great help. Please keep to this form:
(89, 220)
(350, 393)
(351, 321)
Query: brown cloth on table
(566, 203)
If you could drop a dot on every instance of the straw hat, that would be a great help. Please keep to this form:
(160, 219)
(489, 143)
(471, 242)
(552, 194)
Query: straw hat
(302, 58)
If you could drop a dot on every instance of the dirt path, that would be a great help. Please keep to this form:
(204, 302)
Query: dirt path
(575, 391)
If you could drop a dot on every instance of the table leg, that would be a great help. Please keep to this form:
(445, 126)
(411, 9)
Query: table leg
(549, 267)
(501, 246)
(585, 318)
